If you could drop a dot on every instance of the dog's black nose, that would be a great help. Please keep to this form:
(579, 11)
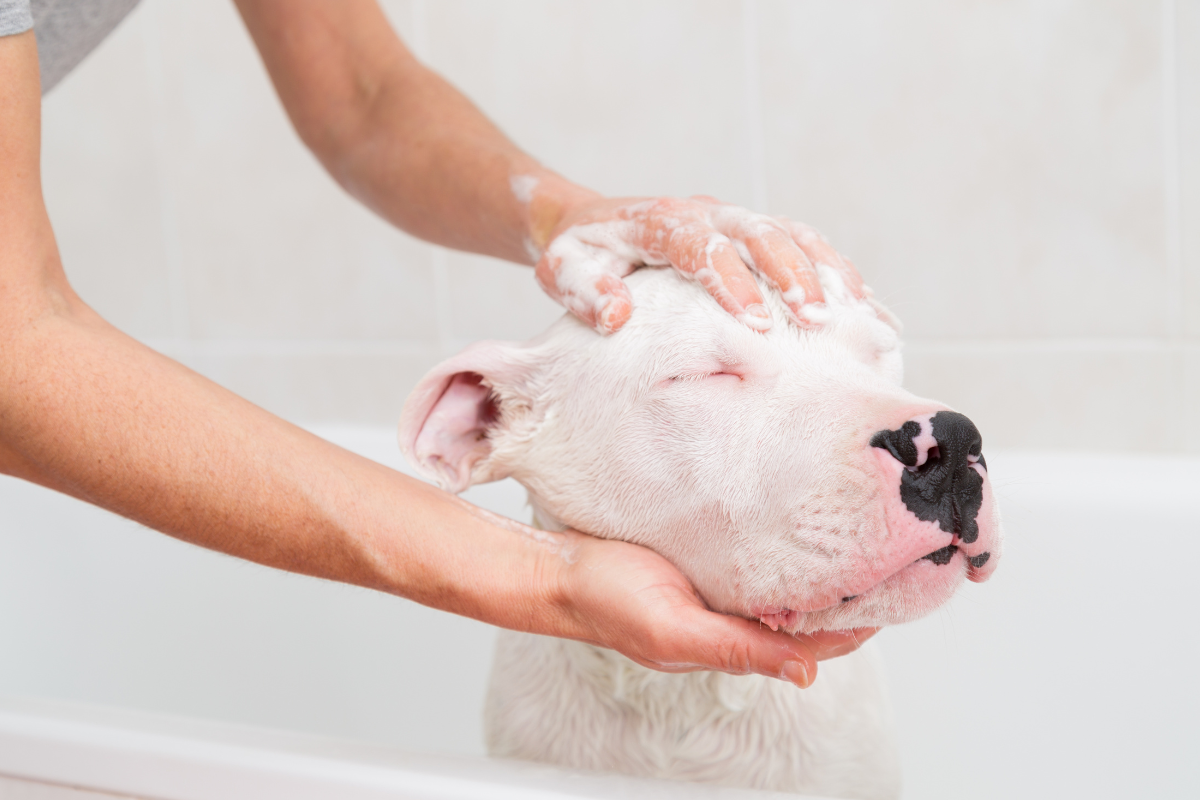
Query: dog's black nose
(940, 484)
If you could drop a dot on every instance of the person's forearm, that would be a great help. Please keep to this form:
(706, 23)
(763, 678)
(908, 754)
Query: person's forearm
(399, 137)
(90, 412)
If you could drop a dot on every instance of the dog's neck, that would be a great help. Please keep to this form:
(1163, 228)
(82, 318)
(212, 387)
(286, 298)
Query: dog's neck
(646, 689)
(543, 520)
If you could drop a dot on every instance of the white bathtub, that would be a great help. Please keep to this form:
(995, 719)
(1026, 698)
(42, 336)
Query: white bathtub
(1070, 674)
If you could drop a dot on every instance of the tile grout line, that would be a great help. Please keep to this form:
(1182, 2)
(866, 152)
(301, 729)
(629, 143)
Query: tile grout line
(1173, 198)
(167, 207)
(291, 348)
(441, 300)
(1061, 345)
(1171, 165)
(437, 254)
(257, 348)
(753, 94)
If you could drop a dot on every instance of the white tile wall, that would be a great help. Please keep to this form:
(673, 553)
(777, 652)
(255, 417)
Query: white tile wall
(1019, 179)
(270, 247)
(1187, 94)
(1191, 401)
(347, 381)
(104, 191)
(1062, 395)
(995, 168)
(629, 97)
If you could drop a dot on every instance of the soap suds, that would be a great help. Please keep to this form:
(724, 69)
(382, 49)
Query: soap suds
(833, 284)
(535, 254)
(647, 231)
(523, 187)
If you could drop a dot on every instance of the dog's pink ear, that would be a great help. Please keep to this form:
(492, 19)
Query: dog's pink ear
(447, 420)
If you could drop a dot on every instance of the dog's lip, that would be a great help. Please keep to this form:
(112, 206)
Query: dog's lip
(777, 612)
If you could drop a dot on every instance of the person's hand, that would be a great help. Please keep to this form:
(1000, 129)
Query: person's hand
(632, 600)
(601, 240)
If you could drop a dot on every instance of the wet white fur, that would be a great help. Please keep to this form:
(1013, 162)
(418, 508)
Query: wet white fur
(586, 707)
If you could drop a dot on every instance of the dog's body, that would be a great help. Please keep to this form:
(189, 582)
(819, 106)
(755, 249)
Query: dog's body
(786, 474)
(586, 707)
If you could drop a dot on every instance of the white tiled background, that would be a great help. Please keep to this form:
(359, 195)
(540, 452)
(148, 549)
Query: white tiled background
(1019, 180)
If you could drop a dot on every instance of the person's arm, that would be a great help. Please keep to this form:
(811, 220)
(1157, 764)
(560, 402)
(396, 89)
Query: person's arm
(409, 145)
(88, 411)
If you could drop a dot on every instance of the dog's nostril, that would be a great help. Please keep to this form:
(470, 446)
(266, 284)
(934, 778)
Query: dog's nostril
(900, 443)
(946, 436)
(956, 434)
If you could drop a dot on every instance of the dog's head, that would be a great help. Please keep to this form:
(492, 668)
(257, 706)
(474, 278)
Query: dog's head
(786, 474)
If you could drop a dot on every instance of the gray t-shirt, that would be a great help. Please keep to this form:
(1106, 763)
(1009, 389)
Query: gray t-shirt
(66, 30)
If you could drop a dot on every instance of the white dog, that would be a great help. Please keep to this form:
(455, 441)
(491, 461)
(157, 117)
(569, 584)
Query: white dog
(786, 474)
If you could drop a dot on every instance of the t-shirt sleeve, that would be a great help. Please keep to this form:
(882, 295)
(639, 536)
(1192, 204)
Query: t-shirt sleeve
(15, 17)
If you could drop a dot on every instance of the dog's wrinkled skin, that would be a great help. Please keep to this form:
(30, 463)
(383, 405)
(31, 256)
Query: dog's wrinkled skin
(774, 470)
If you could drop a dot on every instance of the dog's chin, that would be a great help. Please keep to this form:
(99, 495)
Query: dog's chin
(907, 595)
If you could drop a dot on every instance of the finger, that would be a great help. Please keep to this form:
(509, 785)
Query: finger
(766, 246)
(854, 281)
(586, 284)
(831, 644)
(821, 253)
(709, 257)
(706, 640)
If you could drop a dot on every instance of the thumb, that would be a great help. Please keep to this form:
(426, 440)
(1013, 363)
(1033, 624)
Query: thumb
(740, 646)
(587, 284)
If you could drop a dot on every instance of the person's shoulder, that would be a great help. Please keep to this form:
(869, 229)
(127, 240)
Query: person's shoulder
(15, 17)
